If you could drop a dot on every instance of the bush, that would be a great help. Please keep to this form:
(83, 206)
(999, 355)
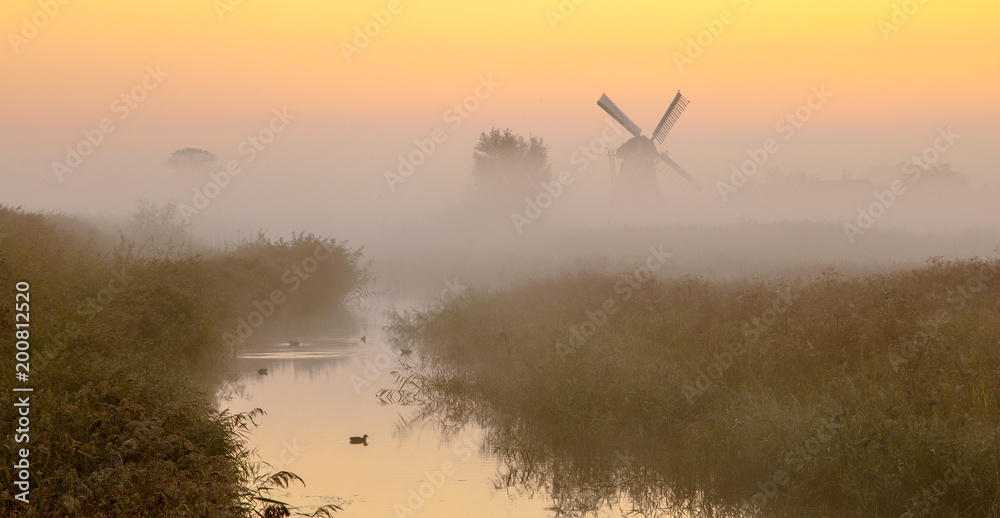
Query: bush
(119, 425)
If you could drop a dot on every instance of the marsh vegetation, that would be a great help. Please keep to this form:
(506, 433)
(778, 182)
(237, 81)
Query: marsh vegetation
(128, 342)
(820, 394)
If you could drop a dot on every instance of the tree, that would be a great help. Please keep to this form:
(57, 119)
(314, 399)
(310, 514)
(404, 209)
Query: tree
(158, 230)
(191, 159)
(504, 162)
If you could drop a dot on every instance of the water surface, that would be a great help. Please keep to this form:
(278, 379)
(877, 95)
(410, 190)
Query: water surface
(322, 392)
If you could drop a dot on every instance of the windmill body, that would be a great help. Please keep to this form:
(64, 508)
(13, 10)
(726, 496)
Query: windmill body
(634, 165)
(636, 175)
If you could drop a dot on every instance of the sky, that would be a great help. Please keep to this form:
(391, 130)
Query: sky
(363, 81)
(354, 118)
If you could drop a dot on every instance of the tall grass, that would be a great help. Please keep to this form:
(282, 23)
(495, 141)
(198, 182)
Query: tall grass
(123, 340)
(827, 395)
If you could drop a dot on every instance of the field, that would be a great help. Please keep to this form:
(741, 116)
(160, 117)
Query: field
(128, 343)
(822, 394)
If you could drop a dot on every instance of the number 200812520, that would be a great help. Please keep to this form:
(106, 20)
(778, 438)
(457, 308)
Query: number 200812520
(22, 320)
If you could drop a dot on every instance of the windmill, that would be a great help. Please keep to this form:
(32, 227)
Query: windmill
(640, 158)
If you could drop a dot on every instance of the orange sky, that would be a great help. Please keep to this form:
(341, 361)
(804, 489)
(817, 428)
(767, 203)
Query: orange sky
(228, 68)
(943, 59)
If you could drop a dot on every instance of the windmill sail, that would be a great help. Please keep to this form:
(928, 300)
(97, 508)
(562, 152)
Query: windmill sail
(669, 118)
(608, 106)
(665, 165)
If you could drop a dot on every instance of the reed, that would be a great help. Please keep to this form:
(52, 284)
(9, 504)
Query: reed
(830, 394)
(126, 350)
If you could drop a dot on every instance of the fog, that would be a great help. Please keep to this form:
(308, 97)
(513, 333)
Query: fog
(411, 201)
(583, 296)
(352, 186)
(429, 226)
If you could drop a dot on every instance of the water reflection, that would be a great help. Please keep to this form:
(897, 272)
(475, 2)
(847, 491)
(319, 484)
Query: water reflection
(323, 392)
(607, 473)
(432, 448)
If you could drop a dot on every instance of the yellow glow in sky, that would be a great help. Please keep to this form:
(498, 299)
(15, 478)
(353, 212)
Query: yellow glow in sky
(227, 58)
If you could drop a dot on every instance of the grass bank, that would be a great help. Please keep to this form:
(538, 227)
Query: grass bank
(827, 395)
(122, 344)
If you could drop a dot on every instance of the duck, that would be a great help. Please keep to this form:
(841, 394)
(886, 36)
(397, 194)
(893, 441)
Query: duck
(364, 339)
(293, 344)
(360, 440)
(262, 371)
